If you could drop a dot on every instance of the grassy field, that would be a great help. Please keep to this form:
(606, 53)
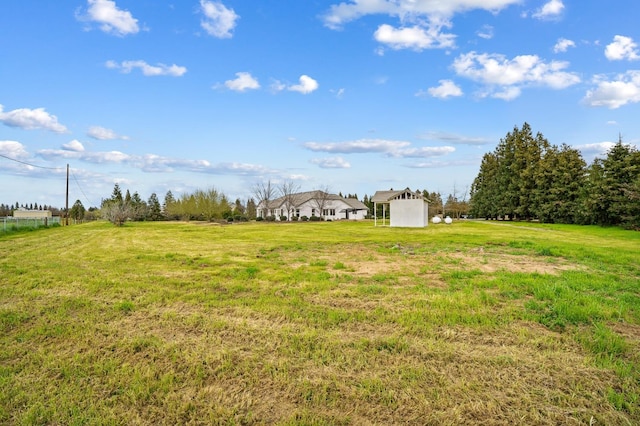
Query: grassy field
(320, 324)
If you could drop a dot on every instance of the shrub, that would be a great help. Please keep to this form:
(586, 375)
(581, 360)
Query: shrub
(315, 219)
(304, 218)
(259, 219)
(283, 218)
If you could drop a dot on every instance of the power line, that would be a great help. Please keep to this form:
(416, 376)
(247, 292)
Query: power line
(49, 168)
(31, 165)
(80, 188)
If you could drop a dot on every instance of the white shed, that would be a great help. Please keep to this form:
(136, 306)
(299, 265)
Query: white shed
(405, 208)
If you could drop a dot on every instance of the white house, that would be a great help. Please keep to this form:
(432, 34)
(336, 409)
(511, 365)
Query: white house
(314, 203)
(405, 208)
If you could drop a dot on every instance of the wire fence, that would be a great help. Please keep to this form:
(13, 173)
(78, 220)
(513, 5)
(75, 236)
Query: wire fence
(10, 222)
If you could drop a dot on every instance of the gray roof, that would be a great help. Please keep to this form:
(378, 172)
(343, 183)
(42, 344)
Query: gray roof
(355, 204)
(303, 197)
(386, 196)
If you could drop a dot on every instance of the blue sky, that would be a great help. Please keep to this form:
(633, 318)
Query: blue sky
(354, 96)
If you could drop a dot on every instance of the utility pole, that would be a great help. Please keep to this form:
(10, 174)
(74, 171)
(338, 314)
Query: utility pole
(66, 214)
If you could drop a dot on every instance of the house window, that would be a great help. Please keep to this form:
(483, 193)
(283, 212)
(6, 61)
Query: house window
(329, 212)
(313, 212)
(297, 212)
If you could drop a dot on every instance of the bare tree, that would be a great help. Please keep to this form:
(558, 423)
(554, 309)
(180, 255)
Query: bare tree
(264, 193)
(321, 199)
(288, 190)
(116, 212)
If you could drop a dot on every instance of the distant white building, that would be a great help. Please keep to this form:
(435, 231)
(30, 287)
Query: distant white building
(32, 214)
(404, 208)
(313, 203)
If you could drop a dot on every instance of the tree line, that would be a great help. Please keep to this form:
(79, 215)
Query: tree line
(207, 205)
(211, 205)
(528, 178)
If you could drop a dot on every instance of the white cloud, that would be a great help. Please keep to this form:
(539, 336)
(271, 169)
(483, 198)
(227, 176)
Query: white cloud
(219, 21)
(331, 163)
(115, 157)
(244, 81)
(242, 169)
(551, 9)
(148, 70)
(446, 89)
(486, 32)
(622, 48)
(423, 152)
(507, 93)
(149, 163)
(111, 19)
(613, 94)
(339, 93)
(277, 86)
(75, 145)
(13, 149)
(407, 10)
(31, 119)
(415, 37)
(505, 78)
(563, 44)
(454, 139)
(152, 163)
(359, 146)
(397, 149)
(441, 164)
(103, 134)
(595, 148)
(306, 85)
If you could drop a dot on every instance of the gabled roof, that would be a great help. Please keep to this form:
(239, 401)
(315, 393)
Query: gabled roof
(387, 196)
(355, 204)
(304, 197)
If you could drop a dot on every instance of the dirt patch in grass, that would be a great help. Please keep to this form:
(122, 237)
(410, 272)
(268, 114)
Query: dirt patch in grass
(490, 262)
(631, 332)
(476, 259)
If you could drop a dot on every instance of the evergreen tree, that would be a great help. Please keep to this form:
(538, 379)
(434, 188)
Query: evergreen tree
(138, 206)
(611, 196)
(77, 211)
(116, 195)
(559, 182)
(485, 188)
(154, 211)
(169, 206)
(251, 209)
(238, 208)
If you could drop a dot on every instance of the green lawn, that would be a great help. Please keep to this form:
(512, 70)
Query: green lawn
(320, 324)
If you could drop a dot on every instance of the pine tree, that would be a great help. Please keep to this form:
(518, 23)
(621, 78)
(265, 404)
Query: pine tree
(251, 209)
(559, 182)
(77, 211)
(612, 195)
(169, 207)
(154, 211)
(116, 195)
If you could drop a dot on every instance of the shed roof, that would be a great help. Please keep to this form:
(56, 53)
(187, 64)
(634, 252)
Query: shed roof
(387, 196)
